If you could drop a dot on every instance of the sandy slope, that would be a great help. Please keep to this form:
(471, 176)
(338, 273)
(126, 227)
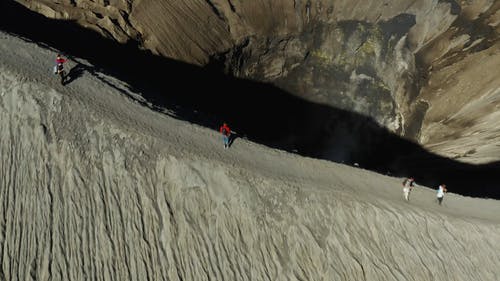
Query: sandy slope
(96, 186)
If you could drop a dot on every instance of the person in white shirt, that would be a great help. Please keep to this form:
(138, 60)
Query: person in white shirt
(440, 193)
(407, 187)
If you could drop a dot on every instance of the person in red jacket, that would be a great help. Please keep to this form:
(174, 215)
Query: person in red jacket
(226, 133)
(60, 67)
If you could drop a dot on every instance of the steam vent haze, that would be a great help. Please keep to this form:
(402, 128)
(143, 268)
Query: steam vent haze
(299, 140)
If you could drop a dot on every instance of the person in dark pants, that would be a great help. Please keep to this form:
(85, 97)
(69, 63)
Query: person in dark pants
(60, 67)
(408, 185)
(226, 134)
(440, 193)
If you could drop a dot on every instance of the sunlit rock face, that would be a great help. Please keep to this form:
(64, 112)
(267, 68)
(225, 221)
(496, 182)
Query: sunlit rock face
(463, 86)
(411, 65)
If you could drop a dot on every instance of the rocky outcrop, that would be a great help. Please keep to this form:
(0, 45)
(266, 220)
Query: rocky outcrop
(382, 59)
(213, 26)
(462, 87)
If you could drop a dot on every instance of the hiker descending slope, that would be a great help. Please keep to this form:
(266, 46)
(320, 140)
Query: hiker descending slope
(59, 67)
(226, 134)
(408, 185)
(440, 193)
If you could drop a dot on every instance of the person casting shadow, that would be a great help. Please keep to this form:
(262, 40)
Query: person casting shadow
(226, 134)
(59, 68)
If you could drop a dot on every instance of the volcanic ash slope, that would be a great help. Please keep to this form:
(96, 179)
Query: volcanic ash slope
(95, 186)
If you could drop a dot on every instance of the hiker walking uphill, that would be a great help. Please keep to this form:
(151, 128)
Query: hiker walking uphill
(226, 134)
(440, 193)
(59, 67)
(408, 185)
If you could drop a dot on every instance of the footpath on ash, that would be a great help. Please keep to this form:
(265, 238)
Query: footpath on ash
(94, 184)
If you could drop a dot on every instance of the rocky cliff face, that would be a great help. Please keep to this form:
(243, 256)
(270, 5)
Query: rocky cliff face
(408, 64)
(462, 86)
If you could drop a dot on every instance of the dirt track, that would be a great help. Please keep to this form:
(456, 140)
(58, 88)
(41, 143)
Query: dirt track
(96, 186)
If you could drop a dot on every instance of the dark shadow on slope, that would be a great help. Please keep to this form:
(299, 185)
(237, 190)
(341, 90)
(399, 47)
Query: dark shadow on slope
(232, 138)
(75, 72)
(258, 111)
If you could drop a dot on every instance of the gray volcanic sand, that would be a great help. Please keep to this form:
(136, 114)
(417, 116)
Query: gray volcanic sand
(96, 186)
